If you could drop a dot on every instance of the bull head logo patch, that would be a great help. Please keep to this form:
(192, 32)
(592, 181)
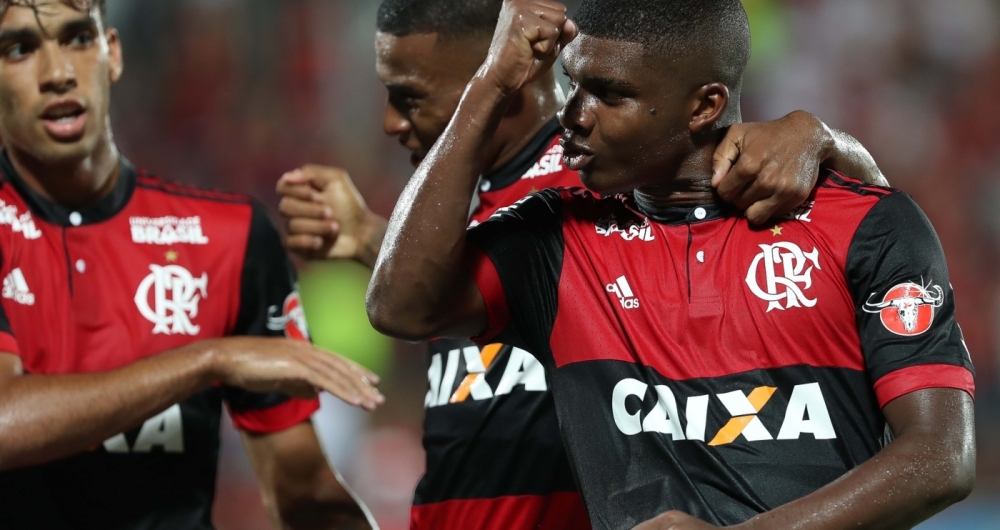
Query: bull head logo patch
(907, 309)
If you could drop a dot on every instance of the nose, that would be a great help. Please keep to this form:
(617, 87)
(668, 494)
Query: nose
(576, 116)
(393, 123)
(56, 71)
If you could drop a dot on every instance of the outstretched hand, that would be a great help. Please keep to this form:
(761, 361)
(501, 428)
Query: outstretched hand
(528, 39)
(769, 169)
(293, 367)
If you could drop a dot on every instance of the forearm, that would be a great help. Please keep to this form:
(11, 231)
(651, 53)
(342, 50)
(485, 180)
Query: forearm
(425, 241)
(45, 417)
(846, 155)
(906, 483)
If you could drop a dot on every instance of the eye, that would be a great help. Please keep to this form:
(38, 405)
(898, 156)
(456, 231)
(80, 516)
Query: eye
(82, 39)
(18, 51)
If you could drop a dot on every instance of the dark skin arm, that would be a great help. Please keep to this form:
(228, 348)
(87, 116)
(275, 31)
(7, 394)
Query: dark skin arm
(768, 169)
(46, 417)
(929, 466)
(299, 488)
(420, 288)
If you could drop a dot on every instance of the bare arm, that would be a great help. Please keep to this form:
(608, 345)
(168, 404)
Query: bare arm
(929, 466)
(298, 487)
(420, 289)
(769, 168)
(46, 417)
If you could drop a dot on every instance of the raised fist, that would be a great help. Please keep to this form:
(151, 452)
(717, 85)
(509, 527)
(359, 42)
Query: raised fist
(528, 39)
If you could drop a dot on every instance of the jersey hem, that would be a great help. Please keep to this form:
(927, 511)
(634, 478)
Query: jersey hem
(8, 344)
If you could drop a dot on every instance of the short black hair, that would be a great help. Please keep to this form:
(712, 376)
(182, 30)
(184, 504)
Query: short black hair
(452, 18)
(716, 29)
(80, 5)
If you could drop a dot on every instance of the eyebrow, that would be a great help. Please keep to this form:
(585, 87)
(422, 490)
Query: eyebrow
(609, 81)
(72, 26)
(403, 89)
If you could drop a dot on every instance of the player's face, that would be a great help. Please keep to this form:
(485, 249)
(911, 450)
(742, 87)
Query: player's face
(626, 120)
(425, 79)
(56, 71)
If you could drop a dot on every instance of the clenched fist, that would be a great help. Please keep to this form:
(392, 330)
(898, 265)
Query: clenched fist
(528, 39)
(327, 217)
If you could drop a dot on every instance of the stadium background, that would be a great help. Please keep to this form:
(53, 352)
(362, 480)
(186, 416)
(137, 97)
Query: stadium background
(232, 93)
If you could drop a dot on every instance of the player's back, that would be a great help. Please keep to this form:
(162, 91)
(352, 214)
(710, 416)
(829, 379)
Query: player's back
(703, 365)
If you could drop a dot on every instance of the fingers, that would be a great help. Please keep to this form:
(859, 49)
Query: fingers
(292, 208)
(727, 154)
(344, 379)
(313, 227)
(306, 245)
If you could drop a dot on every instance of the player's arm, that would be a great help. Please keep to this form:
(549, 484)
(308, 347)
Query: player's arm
(298, 487)
(327, 217)
(46, 417)
(768, 169)
(420, 288)
(929, 466)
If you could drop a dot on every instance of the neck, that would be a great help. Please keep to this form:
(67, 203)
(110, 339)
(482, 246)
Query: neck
(79, 183)
(691, 184)
(535, 106)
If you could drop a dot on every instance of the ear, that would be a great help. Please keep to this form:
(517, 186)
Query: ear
(116, 61)
(708, 104)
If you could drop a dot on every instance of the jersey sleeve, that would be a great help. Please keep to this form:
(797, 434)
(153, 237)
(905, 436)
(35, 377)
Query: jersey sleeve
(904, 303)
(515, 258)
(269, 307)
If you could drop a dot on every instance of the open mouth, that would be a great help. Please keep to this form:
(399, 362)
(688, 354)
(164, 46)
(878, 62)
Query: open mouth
(64, 120)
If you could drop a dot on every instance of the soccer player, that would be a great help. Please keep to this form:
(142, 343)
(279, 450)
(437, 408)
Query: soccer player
(494, 455)
(119, 289)
(712, 372)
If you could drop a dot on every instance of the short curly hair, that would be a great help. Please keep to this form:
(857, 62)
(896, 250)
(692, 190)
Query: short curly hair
(676, 27)
(452, 18)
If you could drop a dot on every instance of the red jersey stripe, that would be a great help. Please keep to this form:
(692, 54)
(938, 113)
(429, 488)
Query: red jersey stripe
(902, 382)
(503, 513)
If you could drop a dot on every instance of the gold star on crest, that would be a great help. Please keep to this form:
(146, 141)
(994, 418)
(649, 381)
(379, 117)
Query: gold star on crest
(171, 256)
(776, 231)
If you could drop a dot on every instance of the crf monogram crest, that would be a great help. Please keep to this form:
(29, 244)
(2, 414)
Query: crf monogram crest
(169, 298)
(786, 272)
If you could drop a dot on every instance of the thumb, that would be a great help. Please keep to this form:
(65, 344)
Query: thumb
(726, 155)
(569, 32)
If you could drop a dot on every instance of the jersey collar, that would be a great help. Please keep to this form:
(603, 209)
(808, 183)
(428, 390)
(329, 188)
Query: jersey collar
(512, 171)
(57, 214)
(680, 215)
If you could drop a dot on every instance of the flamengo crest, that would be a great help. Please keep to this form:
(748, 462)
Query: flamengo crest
(787, 273)
(169, 298)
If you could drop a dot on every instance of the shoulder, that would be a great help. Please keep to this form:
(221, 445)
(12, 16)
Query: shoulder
(171, 190)
(840, 194)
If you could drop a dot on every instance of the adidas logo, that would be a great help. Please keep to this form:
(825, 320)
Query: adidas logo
(16, 288)
(623, 291)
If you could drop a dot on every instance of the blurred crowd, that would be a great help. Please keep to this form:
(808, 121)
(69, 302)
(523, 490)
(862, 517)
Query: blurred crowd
(232, 93)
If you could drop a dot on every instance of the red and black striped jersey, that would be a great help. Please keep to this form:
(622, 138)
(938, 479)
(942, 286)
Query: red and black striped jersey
(152, 267)
(701, 364)
(495, 458)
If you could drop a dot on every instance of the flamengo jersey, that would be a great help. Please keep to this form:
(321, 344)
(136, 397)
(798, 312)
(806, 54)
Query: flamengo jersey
(152, 267)
(495, 459)
(703, 365)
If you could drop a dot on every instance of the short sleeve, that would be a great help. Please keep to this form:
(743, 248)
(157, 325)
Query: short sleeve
(515, 258)
(904, 303)
(269, 307)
